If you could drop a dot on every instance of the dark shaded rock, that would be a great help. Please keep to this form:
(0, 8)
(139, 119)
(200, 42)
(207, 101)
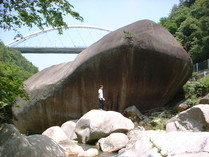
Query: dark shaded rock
(140, 64)
(204, 100)
(135, 115)
(13, 144)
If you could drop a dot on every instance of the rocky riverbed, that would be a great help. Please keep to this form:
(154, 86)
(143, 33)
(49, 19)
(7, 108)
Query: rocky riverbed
(109, 133)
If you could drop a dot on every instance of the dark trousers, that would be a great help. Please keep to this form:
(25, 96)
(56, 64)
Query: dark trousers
(101, 104)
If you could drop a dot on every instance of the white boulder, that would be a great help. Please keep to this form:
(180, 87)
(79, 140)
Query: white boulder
(89, 153)
(113, 142)
(58, 135)
(97, 124)
(69, 129)
(175, 144)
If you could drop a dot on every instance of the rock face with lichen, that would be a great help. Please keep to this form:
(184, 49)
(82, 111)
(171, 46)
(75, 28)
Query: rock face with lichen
(140, 64)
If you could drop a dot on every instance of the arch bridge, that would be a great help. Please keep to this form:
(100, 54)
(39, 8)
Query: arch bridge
(74, 39)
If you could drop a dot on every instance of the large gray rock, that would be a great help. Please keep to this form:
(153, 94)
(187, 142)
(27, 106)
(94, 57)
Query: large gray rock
(13, 144)
(193, 119)
(97, 124)
(140, 64)
(174, 144)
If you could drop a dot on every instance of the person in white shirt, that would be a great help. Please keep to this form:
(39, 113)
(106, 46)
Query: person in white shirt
(101, 97)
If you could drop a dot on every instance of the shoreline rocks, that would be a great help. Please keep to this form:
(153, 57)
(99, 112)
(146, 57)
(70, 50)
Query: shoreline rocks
(195, 118)
(131, 141)
(175, 144)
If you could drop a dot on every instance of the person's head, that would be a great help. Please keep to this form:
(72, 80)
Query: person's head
(101, 86)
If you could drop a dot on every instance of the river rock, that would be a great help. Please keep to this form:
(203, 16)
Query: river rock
(58, 135)
(134, 114)
(69, 129)
(92, 152)
(97, 124)
(194, 119)
(140, 64)
(175, 144)
(204, 100)
(13, 144)
(113, 142)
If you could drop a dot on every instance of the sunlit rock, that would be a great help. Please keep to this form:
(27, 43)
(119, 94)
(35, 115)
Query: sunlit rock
(69, 129)
(97, 124)
(162, 144)
(58, 135)
(194, 119)
(113, 142)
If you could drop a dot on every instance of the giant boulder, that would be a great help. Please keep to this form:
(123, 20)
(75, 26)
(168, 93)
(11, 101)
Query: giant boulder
(140, 64)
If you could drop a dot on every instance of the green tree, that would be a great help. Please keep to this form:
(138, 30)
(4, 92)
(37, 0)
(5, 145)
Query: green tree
(11, 86)
(17, 13)
(14, 57)
(14, 69)
(189, 23)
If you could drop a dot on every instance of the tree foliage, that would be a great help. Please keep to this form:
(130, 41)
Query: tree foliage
(189, 23)
(17, 13)
(14, 69)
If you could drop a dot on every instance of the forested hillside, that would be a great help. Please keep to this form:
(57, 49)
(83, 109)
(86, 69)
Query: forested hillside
(189, 23)
(22, 67)
(14, 69)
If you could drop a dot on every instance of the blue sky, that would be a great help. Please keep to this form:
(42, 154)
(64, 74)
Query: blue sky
(111, 14)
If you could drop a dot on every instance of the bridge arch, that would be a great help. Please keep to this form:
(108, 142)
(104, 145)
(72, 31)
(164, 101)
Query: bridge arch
(31, 35)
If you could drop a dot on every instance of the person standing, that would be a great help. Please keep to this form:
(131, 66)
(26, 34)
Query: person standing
(101, 97)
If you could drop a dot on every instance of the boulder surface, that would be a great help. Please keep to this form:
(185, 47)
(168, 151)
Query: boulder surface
(113, 142)
(59, 136)
(194, 119)
(13, 144)
(97, 124)
(173, 144)
(140, 64)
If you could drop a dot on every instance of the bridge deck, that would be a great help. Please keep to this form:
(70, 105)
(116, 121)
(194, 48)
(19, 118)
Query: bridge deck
(48, 50)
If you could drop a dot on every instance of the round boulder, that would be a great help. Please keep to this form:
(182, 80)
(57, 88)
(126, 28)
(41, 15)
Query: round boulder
(113, 142)
(97, 124)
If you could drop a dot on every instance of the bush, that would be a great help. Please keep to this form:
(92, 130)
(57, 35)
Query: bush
(11, 86)
(196, 75)
(14, 69)
(195, 89)
(158, 119)
(205, 81)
